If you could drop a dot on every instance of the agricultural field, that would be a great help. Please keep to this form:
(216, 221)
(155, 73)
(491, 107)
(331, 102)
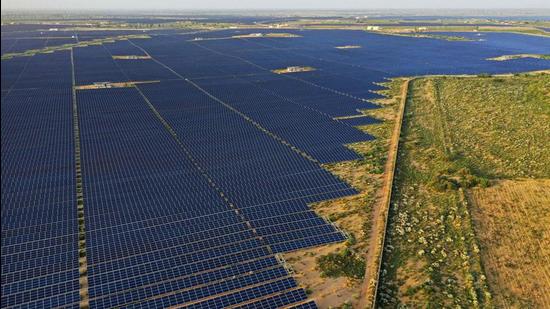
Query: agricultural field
(158, 162)
(512, 220)
(464, 194)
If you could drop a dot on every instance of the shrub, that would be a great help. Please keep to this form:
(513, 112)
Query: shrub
(444, 183)
(351, 240)
(484, 182)
(343, 263)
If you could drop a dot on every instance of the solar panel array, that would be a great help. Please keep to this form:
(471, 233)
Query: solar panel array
(163, 249)
(39, 226)
(194, 181)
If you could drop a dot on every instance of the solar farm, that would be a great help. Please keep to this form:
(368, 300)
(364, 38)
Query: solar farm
(171, 171)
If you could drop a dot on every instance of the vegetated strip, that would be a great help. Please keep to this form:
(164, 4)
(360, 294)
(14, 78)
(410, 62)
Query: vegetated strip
(520, 56)
(50, 49)
(82, 258)
(250, 36)
(103, 85)
(380, 215)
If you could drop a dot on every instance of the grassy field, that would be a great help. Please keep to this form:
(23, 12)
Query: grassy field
(460, 135)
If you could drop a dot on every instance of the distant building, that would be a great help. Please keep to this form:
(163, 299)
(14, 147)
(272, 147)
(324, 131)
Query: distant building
(53, 29)
(103, 85)
(294, 69)
(373, 28)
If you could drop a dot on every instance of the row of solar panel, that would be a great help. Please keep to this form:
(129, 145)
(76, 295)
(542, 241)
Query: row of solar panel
(43, 71)
(130, 268)
(39, 227)
(224, 176)
(134, 265)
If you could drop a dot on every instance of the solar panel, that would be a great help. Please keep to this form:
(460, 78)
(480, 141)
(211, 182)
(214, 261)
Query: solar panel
(39, 228)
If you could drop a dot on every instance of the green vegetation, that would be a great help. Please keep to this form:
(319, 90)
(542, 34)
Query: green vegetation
(344, 263)
(458, 133)
(435, 36)
(520, 29)
(520, 56)
(51, 49)
(496, 127)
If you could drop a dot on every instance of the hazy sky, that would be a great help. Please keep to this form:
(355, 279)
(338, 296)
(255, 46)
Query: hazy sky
(271, 4)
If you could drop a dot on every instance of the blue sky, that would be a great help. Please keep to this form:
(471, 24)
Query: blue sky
(278, 4)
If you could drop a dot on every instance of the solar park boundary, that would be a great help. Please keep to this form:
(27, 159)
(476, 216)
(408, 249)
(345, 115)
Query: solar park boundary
(80, 200)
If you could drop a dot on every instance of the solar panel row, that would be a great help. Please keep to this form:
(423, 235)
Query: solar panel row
(171, 249)
(172, 252)
(39, 228)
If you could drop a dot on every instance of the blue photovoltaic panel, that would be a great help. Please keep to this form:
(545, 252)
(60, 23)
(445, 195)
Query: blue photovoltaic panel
(175, 245)
(39, 228)
(360, 121)
(94, 64)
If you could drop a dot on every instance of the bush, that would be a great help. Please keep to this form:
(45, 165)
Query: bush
(344, 263)
(444, 183)
(351, 240)
(461, 179)
(484, 182)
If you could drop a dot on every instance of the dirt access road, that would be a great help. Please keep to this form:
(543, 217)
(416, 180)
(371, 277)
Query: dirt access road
(380, 211)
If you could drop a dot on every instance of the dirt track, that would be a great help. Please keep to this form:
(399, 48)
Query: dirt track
(380, 212)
